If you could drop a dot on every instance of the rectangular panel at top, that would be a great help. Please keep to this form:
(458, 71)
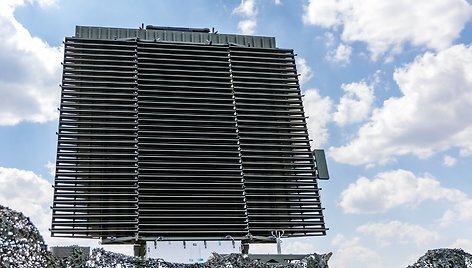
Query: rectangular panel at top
(108, 33)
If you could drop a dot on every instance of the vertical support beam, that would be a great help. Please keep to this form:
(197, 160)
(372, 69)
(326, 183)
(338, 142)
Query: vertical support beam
(244, 247)
(279, 246)
(140, 249)
(246, 213)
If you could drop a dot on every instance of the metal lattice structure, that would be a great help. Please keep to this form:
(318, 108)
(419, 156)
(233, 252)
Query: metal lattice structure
(181, 135)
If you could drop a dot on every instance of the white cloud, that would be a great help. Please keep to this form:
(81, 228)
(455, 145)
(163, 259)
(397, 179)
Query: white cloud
(431, 115)
(297, 247)
(386, 26)
(399, 232)
(277, 2)
(41, 3)
(29, 88)
(465, 244)
(51, 168)
(462, 211)
(289, 246)
(247, 9)
(247, 26)
(394, 189)
(449, 161)
(329, 39)
(263, 248)
(303, 70)
(350, 252)
(28, 193)
(32, 195)
(341, 54)
(325, 13)
(355, 105)
(318, 110)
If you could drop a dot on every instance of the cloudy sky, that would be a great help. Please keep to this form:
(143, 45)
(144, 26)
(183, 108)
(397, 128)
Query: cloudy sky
(388, 92)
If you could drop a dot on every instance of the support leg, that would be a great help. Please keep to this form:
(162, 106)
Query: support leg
(244, 247)
(140, 249)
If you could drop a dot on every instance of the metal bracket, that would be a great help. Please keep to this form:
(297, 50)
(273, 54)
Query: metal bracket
(278, 234)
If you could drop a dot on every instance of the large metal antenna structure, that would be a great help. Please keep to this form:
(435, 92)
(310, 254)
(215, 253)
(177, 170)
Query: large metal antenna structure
(166, 136)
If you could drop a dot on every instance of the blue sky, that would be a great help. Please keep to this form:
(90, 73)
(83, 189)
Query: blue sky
(388, 92)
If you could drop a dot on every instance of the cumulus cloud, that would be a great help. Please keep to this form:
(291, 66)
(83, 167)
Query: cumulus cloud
(43, 3)
(29, 85)
(247, 26)
(465, 244)
(350, 252)
(28, 193)
(304, 71)
(329, 39)
(391, 189)
(431, 115)
(402, 188)
(298, 247)
(247, 9)
(51, 168)
(325, 13)
(341, 54)
(462, 211)
(32, 195)
(449, 161)
(263, 248)
(386, 26)
(355, 105)
(399, 232)
(318, 110)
